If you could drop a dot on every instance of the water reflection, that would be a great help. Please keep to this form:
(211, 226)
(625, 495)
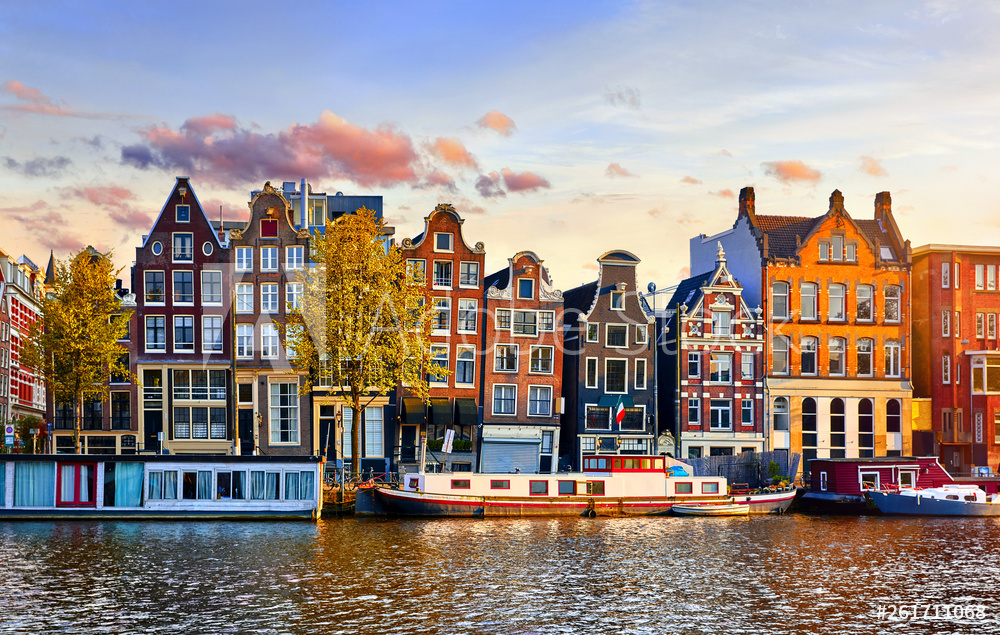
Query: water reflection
(658, 575)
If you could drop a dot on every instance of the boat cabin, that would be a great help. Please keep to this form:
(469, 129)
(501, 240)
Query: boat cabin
(850, 477)
(953, 492)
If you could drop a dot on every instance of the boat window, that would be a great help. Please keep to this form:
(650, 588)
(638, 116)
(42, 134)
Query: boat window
(567, 488)
(414, 483)
(683, 488)
(263, 485)
(539, 488)
(197, 485)
(709, 488)
(34, 484)
(123, 484)
(500, 484)
(822, 481)
(951, 497)
(658, 464)
(239, 485)
(647, 464)
(595, 488)
(618, 464)
(163, 485)
(291, 486)
(970, 497)
(224, 485)
(460, 483)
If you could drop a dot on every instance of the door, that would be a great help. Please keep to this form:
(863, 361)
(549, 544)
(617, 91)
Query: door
(245, 425)
(152, 427)
(328, 432)
(408, 445)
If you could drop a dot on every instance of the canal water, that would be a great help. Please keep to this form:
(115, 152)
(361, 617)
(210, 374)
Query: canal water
(789, 574)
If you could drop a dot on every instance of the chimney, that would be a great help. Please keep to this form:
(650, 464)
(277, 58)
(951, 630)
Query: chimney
(304, 200)
(883, 207)
(747, 203)
(836, 201)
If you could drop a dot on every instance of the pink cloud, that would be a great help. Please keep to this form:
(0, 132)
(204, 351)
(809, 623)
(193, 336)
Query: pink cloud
(439, 179)
(655, 213)
(230, 212)
(684, 273)
(690, 180)
(38, 103)
(723, 193)
(524, 181)
(115, 201)
(790, 171)
(615, 170)
(488, 185)
(43, 224)
(453, 152)
(207, 125)
(496, 120)
(870, 165)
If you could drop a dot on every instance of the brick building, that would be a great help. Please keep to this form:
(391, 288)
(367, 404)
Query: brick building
(454, 290)
(956, 301)
(834, 292)
(712, 393)
(522, 368)
(22, 389)
(608, 378)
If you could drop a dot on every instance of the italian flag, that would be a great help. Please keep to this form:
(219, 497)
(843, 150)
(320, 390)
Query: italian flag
(619, 411)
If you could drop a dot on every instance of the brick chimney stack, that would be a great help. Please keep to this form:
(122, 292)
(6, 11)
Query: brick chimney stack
(883, 207)
(747, 203)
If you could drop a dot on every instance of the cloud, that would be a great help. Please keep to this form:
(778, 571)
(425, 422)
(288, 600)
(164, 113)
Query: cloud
(452, 152)
(115, 201)
(38, 103)
(628, 97)
(684, 273)
(727, 193)
(489, 186)
(94, 142)
(230, 212)
(43, 224)
(723, 153)
(524, 181)
(464, 206)
(497, 121)
(790, 171)
(615, 170)
(655, 213)
(589, 265)
(439, 179)
(38, 167)
(870, 165)
(217, 149)
(690, 180)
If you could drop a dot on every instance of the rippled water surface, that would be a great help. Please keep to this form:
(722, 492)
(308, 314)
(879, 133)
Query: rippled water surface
(790, 574)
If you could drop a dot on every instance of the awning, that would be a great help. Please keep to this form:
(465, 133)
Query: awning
(511, 440)
(413, 410)
(441, 412)
(610, 401)
(466, 412)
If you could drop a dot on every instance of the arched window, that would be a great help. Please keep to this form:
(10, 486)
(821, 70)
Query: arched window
(837, 345)
(808, 306)
(865, 303)
(892, 295)
(892, 356)
(808, 428)
(865, 347)
(779, 300)
(866, 428)
(837, 301)
(779, 413)
(779, 358)
(809, 348)
(893, 416)
(838, 440)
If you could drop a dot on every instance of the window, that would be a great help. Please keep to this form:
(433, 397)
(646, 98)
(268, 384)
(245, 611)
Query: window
(244, 259)
(866, 428)
(503, 319)
(615, 371)
(284, 418)
(779, 300)
(505, 358)
(525, 323)
(865, 303)
(157, 248)
(211, 333)
(747, 412)
(465, 365)
(293, 258)
(780, 355)
(538, 488)
(945, 275)
(525, 288)
(980, 278)
(439, 354)
(268, 258)
(268, 341)
(591, 372)
(500, 484)
(957, 325)
(837, 345)
(184, 287)
(541, 359)
(980, 325)
(836, 247)
(457, 483)
(593, 332)
(641, 334)
(991, 278)
(540, 401)
(598, 418)
(76, 484)
(468, 274)
(632, 419)
(547, 321)
(809, 348)
(957, 276)
(183, 250)
(838, 439)
(991, 326)
(945, 323)
(293, 296)
(467, 313)
(374, 433)
(155, 291)
(617, 336)
(892, 304)
(824, 251)
(721, 414)
(244, 341)
(946, 369)
(184, 333)
(504, 399)
(694, 411)
(694, 365)
(720, 323)
(721, 368)
(121, 418)
(808, 306)
(269, 298)
(156, 333)
(211, 287)
(746, 366)
(640, 374)
(837, 303)
(417, 269)
(244, 298)
(851, 252)
(780, 413)
(442, 314)
(617, 300)
(444, 242)
(865, 347)
(442, 274)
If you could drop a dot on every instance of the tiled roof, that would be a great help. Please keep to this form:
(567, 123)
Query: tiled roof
(873, 231)
(580, 298)
(782, 230)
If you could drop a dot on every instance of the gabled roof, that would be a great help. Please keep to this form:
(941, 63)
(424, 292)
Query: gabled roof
(449, 209)
(782, 231)
(185, 182)
(580, 298)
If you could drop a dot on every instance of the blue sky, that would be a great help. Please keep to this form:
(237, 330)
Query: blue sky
(566, 128)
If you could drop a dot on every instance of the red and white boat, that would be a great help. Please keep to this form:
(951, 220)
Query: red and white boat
(607, 486)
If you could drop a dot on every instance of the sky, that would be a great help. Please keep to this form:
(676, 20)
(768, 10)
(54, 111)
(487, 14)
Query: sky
(565, 128)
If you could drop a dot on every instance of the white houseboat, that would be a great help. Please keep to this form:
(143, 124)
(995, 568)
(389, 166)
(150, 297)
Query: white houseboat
(82, 486)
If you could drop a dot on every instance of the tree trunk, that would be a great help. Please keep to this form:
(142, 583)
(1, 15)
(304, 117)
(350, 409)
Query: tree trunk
(356, 435)
(78, 425)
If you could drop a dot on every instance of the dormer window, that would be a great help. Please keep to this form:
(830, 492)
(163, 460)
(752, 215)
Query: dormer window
(525, 288)
(183, 213)
(444, 242)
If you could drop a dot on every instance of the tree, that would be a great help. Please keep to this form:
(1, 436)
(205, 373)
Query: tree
(75, 343)
(362, 326)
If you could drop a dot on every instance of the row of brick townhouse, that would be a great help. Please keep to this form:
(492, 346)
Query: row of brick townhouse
(22, 389)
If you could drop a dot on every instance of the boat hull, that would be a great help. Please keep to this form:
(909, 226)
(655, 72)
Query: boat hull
(711, 510)
(898, 505)
(768, 503)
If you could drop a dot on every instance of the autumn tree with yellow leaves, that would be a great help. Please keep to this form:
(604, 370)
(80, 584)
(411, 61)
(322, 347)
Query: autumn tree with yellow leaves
(76, 342)
(362, 326)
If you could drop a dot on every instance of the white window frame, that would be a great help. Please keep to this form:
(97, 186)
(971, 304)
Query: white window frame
(899, 304)
(746, 406)
(266, 263)
(497, 358)
(596, 331)
(640, 362)
(206, 299)
(808, 304)
(174, 248)
(442, 283)
(194, 336)
(462, 348)
(417, 265)
(470, 305)
(244, 259)
(145, 287)
(694, 356)
(945, 275)
(624, 390)
(842, 342)
(549, 317)
(723, 360)
(473, 268)
(787, 352)
(641, 333)
(946, 369)
(440, 360)
(244, 293)
(980, 277)
(945, 323)
(861, 292)
(787, 292)
(293, 295)
(270, 342)
(694, 406)
(840, 316)
(451, 242)
(530, 282)
(244, 341)
(607, 339)
(722, 324)
(162, 348)
(440, 305)
(746, 366)
(494, 400)
(274, 422)
(547, 400)
(712, 409)
(177, 213)
(173, 287)
(597, 372)
(206, 329)
(531, 360)
(269, 297)
(957, 277)
(617, 297)
(893, 365)
(294, 257)
(991, 278)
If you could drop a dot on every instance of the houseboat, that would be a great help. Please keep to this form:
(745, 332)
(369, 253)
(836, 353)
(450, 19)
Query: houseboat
(948, 500)
(837, 486)
(82, 486)
(607, 486)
